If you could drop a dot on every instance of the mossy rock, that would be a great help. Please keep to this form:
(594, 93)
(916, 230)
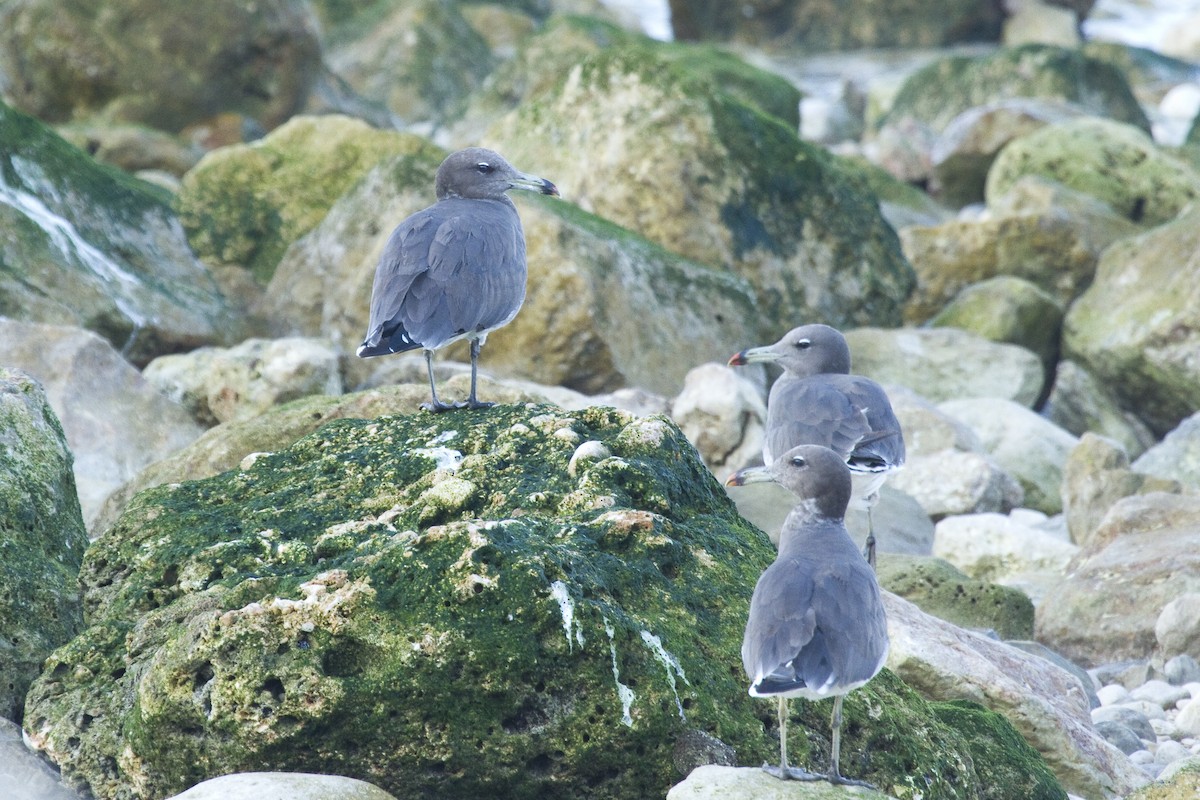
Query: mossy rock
(1183, 784)
(941, 590)
(419, 58)
(1111, 161)
(939, 92)
(546, 57)
(86, 244)
(245, 204)
(1008, 309)
(674, 158)
(42, 538)
(533, 619)
(1006, 764)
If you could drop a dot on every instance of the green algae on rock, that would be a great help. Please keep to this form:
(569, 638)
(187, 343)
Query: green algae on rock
(88, 245)
(245, 204)
(681, 162)
(940, 589)
(936, 94)
(42, 538)
(439, 606)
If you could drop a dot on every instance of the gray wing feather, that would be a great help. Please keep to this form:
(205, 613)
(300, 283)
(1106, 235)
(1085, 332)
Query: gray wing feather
(841, 412)
(450, 270)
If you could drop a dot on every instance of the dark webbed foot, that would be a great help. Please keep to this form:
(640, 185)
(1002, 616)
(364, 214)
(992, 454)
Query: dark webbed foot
(438, 406)
(791, 773)
(842, 780)
(474, 404)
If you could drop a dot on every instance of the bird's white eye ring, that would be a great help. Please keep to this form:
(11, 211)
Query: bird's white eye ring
(804, 344)
(483, 167)
(798, 461)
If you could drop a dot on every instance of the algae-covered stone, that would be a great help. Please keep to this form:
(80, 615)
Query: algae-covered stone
(938, 588)
(334, 607)
(936, 94)
(1007, 309)
(587, 278)
(42, 538)
(86, 244)
(689, 167)
(245, 204)
(421, 59)
(1110, 160)
(837, 26)
(1135, 327)
(128, 61)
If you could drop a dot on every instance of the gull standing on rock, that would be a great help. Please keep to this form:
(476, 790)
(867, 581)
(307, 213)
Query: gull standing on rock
(817, 626)
(818, 401)
(455, 270)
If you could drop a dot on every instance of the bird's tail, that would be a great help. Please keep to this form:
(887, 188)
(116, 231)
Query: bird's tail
(386, 341)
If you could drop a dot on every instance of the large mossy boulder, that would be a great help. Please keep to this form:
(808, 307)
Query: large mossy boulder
(587, 279)
(85, 244)
(949, 86)
(838, 26)
(245, 204)
(684, 164)
(127, 61)
(1136, 327)
(1111, 161)
(518, 602)
(42, 538)
(421, 59)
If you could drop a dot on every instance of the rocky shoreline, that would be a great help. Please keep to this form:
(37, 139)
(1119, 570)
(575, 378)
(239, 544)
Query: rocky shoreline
(230, 546)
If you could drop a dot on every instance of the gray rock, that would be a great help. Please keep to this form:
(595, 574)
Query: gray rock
(1040, 650)
(1080, 403)
(1181, 669)
(1169, 752)
(283, 786)
(1134, 720)
(1007, 309)
(1188, 720)
(1112, 694)
(946, 364)
(24, 775)
(953, 482)
(42, 538)
(90, 246)
(995, 547)
(1177, 628)
(222, 384)
(723, 413)
(928, 429)
(104, 404)
(694, 748)
(1161, 693)
(963, 152)
(1026, 445)
(713, 782)
(1145, 554)
(1046, 704)
(1177, 456)
(171, 71)
(1119, 735)
(1096, 476)
(1135, 327)
(1035, 22)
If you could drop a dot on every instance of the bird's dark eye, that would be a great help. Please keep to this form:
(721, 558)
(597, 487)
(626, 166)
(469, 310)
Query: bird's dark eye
(483, 167)
(798, 461)
(803, 344)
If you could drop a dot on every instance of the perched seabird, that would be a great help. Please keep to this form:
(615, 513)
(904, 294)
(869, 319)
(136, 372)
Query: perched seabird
(817, 627)
(818, 401)
(455, 270)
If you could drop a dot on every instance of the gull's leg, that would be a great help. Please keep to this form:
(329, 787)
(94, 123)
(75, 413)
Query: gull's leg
(869, 550)
(435, 405)
(783, 771)
(835, 774)
(471, 401)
